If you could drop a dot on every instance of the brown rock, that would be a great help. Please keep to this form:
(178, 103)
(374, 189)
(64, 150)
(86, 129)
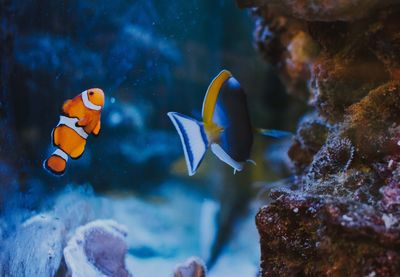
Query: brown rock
(343, 218)
(193, 267)
(325, 10)
(371, 121)
(304, 235)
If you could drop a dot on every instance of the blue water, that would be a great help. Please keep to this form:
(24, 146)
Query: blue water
(149, 57)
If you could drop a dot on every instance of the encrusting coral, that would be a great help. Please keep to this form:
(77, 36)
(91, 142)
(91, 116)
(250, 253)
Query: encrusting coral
(193, 267)
(342, 217)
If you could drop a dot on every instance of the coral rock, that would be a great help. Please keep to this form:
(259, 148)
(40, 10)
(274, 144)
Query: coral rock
(314, 236)
(311, 135)
(342, 216)
(371, 119)
(193, 267)
(327, 10)
(338, 82)
(35, 249)
(97, 249)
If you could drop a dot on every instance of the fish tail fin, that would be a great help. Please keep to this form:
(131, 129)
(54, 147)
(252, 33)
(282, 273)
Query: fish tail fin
(193, 137)
(56, 163)
(274, 133)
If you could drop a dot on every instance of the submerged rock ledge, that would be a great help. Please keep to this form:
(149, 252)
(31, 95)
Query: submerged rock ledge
(322, 236)
(342, 217)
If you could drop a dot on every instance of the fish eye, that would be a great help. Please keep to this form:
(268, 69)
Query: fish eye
(91, 93)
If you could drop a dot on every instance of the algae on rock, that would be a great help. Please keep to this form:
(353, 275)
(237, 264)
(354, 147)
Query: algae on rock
(343, 216)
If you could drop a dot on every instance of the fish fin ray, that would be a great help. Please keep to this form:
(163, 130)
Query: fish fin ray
(83, 122)
(274, 133)
(223, 156)
(193, 138)
(55, 164)
(252, 162)
(97, 129)
(66, 107)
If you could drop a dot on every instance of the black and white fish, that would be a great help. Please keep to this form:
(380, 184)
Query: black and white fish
(225, 127)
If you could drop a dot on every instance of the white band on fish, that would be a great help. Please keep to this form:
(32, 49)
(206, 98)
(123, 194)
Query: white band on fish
(87, 102)
(61, 154)
(223, 156)
(71, 123)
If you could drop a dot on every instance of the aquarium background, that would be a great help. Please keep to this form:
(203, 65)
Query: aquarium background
(150, 57)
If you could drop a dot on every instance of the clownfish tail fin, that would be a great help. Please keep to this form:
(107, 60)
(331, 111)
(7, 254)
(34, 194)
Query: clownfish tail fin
(56, 163)
(193, 137)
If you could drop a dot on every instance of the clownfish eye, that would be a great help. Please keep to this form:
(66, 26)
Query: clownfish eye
(91, 93)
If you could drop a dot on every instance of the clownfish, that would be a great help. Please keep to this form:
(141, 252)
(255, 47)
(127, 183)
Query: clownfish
(225, 127)
(79, 117)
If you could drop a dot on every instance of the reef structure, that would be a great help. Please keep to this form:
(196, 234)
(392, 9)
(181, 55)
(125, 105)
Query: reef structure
(342, 215)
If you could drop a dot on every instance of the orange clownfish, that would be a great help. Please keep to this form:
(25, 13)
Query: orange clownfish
(79, 117)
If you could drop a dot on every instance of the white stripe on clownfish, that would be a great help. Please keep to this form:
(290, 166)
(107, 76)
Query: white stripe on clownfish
(88, 104)
(71, 123)
(61, 154)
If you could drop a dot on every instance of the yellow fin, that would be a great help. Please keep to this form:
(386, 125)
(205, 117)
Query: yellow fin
(211, 97)
(66, 107)
(96, 129)
(213, 132)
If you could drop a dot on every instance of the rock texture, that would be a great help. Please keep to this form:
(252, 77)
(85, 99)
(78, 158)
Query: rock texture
(326, 10)
(35, 249)
(193, 267)
(324, 236)
(97, 249)
(342, 216)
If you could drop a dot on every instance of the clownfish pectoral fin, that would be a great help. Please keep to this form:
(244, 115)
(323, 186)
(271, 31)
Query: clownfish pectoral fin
(193, 137)
(96, 129)
(66, 107)
(223, 156)
(56, 163)
(83, 121)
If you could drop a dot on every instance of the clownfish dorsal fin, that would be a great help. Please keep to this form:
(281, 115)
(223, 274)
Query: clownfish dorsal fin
(66, 107)
(211, 97)
(193, 137)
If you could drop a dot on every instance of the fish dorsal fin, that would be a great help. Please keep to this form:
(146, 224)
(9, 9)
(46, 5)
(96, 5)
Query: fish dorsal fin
(211, 97)
(223, 156)
(193, 138)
